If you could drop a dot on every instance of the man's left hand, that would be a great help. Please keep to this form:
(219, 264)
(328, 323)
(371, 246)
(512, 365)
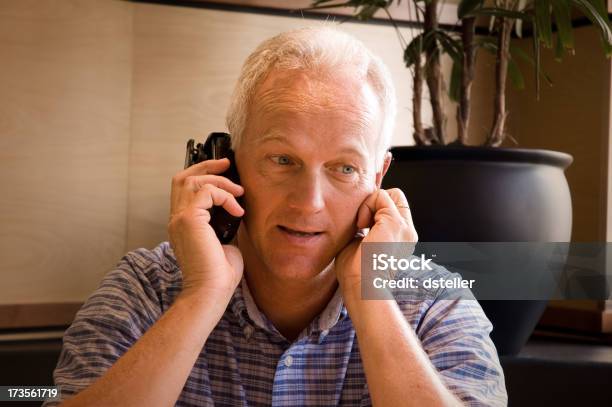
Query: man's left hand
(387, 214)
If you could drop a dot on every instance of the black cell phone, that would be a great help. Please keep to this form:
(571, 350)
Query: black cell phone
(217, 146)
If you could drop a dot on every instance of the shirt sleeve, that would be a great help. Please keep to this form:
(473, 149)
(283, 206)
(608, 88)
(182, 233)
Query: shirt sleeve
(112, 319)
(455, 335)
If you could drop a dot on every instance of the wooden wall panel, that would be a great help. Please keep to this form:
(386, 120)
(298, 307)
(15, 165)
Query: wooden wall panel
(571, 116)
(65, 76)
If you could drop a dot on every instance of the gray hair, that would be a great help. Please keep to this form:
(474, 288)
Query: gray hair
(314, 49)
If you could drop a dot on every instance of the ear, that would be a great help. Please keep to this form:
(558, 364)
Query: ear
(383, 171)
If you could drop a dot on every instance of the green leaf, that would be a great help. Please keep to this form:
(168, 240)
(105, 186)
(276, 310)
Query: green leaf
(499, 12)
(450, 45)
(319, 4)
(491, 24)
(519, 23)
(536, 52)
(543, 20)
(413, 51)
(559, 49)
(515, 74)
(600, 7)
(487, 43)
(518, 28)
(364, 9)
(563, 19)
(595, 10)
(467, 6)
(367, 12)
(454, 90)
(517, 53)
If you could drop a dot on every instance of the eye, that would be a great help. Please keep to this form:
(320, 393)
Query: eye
(281, 159)
(348, 169)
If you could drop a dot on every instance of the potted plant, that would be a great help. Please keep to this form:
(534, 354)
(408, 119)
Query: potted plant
(484, 193)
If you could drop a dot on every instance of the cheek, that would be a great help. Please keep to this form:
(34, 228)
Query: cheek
(256, 202)
(260, 200)
(345, 211)
(349, 204)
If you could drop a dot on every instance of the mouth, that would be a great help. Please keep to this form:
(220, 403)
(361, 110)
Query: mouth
(299, 233)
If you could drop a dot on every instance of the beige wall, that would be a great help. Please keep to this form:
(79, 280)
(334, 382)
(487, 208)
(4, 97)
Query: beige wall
(100, 97)
(65, 75)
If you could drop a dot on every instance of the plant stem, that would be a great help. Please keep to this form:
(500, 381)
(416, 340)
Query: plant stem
(496, 136)
(467, 77)
(417, 92)
(434, 73)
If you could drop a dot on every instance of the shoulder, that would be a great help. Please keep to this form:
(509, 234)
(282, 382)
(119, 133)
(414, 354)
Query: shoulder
(159, 261)
(150, 275)
(443, 298)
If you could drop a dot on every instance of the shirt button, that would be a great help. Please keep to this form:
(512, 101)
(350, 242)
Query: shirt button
(288, 361)
(248, 331)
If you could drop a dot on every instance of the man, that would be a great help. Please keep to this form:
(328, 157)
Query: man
(277, 318)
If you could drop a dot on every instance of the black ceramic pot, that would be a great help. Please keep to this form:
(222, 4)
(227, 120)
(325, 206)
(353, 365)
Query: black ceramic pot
(477, 194)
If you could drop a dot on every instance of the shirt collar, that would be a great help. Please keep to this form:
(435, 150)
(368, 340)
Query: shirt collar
(249, 316)
(243, 307)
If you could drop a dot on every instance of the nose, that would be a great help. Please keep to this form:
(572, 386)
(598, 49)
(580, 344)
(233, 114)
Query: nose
(307, 194)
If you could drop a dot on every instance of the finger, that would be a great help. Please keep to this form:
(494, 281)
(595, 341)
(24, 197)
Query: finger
(386, 202)
(367, 210)
(201, 168)
(196, 182)
(211, 195)
(398, 198)
(401, 203)
(378, 204)
(181, 195)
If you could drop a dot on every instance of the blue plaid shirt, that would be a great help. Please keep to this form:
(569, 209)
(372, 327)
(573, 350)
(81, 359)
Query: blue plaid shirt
(247, 362)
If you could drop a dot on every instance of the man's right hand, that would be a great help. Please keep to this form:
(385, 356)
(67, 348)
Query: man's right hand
(206, 264)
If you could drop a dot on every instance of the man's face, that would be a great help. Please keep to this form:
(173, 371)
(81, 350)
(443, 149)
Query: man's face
(307, 162)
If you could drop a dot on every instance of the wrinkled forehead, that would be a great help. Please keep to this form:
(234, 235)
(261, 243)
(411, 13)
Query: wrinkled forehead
(287, 93)
(303, 89)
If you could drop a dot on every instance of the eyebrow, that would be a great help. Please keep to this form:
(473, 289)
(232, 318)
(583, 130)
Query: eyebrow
(274, 136)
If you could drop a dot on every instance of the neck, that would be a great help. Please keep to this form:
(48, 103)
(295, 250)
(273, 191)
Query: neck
(289, 304)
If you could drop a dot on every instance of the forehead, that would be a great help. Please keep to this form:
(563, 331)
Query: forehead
(321, 102)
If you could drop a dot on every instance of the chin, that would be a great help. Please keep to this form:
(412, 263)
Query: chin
(297, 267)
